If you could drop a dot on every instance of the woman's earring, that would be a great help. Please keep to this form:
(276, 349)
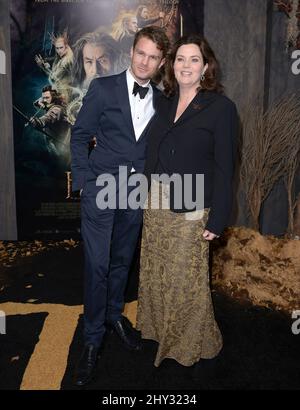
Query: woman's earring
(202, 77)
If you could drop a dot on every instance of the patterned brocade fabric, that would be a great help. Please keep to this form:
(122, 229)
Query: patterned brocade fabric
(174, 304)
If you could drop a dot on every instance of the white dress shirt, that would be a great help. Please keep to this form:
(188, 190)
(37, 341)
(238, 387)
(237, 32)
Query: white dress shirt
(141, 108)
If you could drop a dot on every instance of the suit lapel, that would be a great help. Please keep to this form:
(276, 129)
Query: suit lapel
(173, 108)
(123, 99)
(156, 94)
(200, 102)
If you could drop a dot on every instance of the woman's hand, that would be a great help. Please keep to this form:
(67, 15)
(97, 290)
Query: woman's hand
(209, 236)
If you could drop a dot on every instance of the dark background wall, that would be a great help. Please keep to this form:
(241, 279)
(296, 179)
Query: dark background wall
(8, 228)
(248, 38)
(236, 31)
(280, 81)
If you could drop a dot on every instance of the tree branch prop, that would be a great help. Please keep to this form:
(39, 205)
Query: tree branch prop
(270, 151)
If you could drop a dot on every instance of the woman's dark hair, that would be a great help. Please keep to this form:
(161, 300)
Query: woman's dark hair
(211, 81)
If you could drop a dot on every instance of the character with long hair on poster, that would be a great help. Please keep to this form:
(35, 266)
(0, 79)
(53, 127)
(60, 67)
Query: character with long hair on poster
(124, 29)
(143, 19)
(96, 54)
(59, 74)
(54, 120)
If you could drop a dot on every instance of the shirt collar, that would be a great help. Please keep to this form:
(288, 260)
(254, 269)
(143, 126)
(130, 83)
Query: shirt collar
(131, 80)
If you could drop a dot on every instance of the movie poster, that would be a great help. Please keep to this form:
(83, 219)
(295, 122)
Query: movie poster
(67, 43)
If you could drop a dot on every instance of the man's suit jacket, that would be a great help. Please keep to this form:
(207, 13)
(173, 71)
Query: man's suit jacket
(106, 114)
(202, 141)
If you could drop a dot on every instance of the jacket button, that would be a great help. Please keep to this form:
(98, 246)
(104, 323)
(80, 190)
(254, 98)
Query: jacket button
(172, 151)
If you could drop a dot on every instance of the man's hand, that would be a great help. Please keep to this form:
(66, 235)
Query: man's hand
(41, 62)
(35, 122)
(40, 103)
(209, 236)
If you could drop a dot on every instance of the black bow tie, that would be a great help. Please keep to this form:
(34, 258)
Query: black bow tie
(139, 89)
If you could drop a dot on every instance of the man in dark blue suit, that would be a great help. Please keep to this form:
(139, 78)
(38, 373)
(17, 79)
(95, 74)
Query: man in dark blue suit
(116, 110)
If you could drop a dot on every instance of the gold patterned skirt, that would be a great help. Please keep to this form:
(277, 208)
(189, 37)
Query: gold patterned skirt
(174, 302)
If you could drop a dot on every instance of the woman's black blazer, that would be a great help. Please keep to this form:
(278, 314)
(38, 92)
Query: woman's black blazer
(202, 141)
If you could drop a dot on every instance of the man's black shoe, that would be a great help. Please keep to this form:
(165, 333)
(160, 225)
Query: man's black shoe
(86, 365)
(127, 334)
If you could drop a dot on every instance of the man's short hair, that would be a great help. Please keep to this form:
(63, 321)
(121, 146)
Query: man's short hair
(157, 35)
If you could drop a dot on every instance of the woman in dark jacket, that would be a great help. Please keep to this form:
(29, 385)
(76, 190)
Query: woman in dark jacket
(193, 132)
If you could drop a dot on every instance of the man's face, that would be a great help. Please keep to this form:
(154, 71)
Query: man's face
(46, 98)
(60, 47)
(95, 62)
(146, 59)
(132, 25)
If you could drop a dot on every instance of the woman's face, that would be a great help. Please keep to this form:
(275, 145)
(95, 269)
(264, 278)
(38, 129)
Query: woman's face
(189, 66)
(144, 13)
